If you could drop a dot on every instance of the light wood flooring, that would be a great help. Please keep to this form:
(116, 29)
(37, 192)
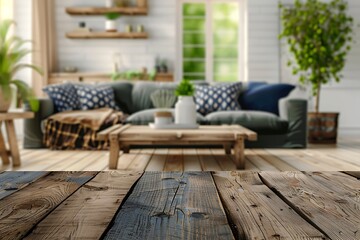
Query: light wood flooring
(343, 157)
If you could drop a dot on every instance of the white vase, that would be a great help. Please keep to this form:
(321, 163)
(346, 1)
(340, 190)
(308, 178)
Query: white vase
(110, 26)
(185, 111)
(109, 3)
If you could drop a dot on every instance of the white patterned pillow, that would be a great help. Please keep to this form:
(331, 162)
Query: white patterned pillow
(95, 97)
(64, 97)
(217, 98)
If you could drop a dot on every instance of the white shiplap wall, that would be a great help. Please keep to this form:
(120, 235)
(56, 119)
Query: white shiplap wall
(97, 55)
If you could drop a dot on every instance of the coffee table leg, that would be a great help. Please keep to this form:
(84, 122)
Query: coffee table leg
(227, 148)
(14, 149)
(114, 152)
(3, 151)
(239, 154)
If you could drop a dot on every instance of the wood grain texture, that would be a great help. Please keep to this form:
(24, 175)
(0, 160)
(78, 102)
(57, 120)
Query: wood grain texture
(88, 212)
(172, 206)
(323, 207)
(21, 211)
(257, 212)
(3, 150)
(11, 182)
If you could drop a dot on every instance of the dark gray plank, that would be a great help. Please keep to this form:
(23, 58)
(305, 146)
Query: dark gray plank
(21, 211)
(11, 182)
(172, 206)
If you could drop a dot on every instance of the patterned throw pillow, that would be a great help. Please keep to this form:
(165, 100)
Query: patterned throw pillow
(95, 97)
(217, 98)
(64, 97)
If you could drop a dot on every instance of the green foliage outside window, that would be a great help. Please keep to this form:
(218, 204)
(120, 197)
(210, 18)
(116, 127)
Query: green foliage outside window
(225, 40)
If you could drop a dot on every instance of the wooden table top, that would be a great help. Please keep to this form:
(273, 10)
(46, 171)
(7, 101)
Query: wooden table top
(190, 205)
(204, 133)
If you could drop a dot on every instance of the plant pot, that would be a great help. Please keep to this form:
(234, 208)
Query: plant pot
(323, 128)
(185, 111)
(109, 3)
(110, 26)
(4, 103)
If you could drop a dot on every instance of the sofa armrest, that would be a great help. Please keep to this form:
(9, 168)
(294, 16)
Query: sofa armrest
(295, 112)
(33, 135)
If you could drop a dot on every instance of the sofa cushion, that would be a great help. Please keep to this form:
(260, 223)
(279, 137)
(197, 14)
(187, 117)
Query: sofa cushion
(265, 97)
(64, 97)
(147, 116)
(217, 98)
(95, 97)
(260, 122)
(123, 95)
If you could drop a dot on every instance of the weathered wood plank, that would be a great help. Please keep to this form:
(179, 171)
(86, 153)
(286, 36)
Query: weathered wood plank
(346, 187)
(11, 182)
(323, 207)
(88, 212)
(21, 211)
(172, 206)
(174, 161)
(257, 212)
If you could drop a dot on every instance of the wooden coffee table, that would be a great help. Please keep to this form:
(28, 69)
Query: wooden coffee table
(122, 137)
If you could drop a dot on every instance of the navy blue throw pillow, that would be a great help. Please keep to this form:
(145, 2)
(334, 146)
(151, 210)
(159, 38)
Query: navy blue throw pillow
(64, 97)
(95, 97)
(265, 97)
(223, 97)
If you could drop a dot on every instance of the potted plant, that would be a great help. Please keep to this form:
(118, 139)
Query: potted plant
(110, 24)
(12, 51)
(319, 35)
(185, 108)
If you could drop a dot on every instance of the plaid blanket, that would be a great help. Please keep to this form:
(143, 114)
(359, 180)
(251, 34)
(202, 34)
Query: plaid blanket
(78, 129)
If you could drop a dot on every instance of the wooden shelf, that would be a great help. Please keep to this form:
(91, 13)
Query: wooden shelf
(102, 11)
(106, 35)
(95, 77)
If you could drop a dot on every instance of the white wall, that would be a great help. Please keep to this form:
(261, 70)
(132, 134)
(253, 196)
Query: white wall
(97, 55)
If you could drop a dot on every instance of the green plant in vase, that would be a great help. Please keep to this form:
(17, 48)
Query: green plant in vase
(319, 35)
(185, 88)
(12, 51)
(110, 24)
(185, 108)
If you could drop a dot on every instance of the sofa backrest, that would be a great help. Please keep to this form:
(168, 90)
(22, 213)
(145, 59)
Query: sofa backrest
(133, 97)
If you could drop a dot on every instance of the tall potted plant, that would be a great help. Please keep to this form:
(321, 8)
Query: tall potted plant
(319, 35)
(12, 51)
(185, 108)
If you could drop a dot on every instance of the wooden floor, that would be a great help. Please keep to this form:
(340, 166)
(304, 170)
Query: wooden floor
(343, 157)
(118, 205)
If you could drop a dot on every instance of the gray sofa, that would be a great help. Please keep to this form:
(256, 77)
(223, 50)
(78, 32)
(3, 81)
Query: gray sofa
(134, 98)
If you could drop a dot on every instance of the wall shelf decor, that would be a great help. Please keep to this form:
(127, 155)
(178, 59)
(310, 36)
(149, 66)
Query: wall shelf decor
(106, 35)
(102, 11)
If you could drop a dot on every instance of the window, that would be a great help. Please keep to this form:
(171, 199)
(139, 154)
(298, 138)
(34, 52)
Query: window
(6, 9)
(210, 40)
